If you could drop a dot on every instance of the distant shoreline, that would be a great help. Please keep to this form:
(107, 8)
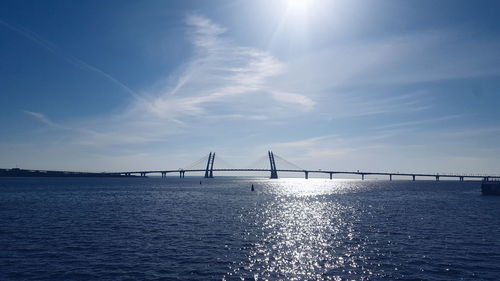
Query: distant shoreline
(16, 172)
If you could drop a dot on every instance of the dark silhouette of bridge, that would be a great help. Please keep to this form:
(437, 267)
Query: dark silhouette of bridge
(273, 170)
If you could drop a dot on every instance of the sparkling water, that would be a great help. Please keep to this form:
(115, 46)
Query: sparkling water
(287, 229)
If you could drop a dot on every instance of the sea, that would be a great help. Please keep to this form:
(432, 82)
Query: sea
(219, 229)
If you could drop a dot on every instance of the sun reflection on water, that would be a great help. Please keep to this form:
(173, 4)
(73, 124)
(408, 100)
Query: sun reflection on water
(298, 187)
(300, 232)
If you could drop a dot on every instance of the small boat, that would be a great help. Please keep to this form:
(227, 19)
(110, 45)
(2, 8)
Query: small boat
(490, 187)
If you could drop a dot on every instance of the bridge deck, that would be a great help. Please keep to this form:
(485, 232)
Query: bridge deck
(361, 173)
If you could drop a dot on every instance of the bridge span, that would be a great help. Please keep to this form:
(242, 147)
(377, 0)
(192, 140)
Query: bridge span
(209, 172)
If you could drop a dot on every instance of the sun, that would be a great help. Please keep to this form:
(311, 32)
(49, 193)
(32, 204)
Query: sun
(298, 5)
(298, 8)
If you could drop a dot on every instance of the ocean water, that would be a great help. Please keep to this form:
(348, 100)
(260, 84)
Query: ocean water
(287, 229)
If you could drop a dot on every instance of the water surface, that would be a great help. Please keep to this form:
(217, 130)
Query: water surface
(287, 229)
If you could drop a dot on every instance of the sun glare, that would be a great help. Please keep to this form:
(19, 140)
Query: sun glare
(298, 6)
(298, 10)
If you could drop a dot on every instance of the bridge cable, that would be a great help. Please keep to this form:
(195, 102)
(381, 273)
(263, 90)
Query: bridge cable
(222, 161)
(288, 162)
(264, 159)
(193, 165)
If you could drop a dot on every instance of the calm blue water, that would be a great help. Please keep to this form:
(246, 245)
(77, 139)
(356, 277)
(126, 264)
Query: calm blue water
(287, 229)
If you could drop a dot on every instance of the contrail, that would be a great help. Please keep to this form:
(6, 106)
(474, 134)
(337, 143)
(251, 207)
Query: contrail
(54, 49)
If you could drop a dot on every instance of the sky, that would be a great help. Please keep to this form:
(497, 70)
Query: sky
(408, 86)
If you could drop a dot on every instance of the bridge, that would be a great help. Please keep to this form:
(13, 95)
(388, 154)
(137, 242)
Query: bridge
(273, 170)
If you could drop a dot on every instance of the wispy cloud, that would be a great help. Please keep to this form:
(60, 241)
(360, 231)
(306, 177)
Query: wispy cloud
(328, 146)
(44, 119)
(221, 74)
(222, 80)
(422, 56)
(420, 122)
(57, 51)
(471, 132)
(389, 75)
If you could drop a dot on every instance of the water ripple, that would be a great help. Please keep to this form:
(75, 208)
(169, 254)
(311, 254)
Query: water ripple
(288, 229)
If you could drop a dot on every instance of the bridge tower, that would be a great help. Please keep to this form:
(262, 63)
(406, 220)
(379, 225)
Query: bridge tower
(274, 172)
(212, 166)
(209, 171)
(208, 164)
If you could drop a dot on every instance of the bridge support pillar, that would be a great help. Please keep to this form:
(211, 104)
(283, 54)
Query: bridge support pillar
(486, 179)
(363, 177)
(390, 177)
(181, 174)
(306, 175)
(437, 178)
(331, 175)
(461, 178)
(143, 174)
(413, 177)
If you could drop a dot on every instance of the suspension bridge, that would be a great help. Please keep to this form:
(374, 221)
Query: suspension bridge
(209, 170)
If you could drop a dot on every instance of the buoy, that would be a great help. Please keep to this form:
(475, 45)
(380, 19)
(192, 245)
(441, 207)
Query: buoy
(252, 188)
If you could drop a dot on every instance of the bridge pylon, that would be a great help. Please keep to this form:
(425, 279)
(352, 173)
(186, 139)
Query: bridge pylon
(209, 171)
(274, 172)
(212, 166)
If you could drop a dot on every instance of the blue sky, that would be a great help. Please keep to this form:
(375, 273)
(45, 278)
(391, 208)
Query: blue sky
(345, 85)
